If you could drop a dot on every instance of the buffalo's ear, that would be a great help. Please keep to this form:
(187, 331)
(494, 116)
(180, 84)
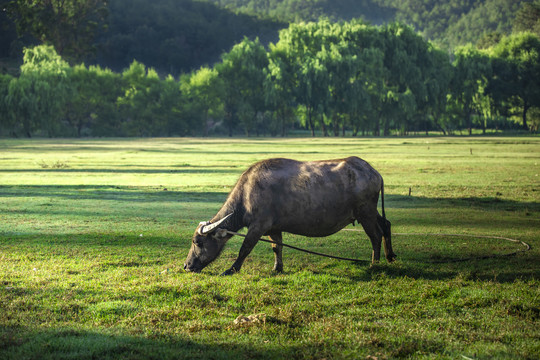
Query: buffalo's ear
(221, 233)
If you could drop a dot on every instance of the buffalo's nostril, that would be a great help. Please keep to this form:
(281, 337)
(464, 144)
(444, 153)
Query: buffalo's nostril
(185, 266)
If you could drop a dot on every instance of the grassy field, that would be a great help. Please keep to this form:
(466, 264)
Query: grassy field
(94, 233)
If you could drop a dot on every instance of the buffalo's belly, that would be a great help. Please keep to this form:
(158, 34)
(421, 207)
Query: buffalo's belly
(316, 227)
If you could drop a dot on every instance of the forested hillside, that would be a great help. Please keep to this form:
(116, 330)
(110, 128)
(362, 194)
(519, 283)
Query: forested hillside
(453, 23)
(447, 23)
(173, 36)
(176, 36)
(375, 11)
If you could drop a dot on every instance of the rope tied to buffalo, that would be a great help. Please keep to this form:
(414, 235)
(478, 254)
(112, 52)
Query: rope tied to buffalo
(304, 250)
(525, 247)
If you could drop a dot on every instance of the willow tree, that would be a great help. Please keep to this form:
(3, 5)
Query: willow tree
(279, 85)
(304, 45)
(204, 89)
(243, 72)
(517, 70)
(472, 70)
(36, 99)
(5, 121)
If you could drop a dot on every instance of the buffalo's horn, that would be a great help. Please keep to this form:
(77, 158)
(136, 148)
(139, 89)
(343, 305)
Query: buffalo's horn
(206, 226)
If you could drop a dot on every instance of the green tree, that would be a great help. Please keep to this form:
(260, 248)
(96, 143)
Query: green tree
(438, 77)
(404, 84)
(365, 51)
(69, 25)
(5, 80)
(304, 44)
(517, 70)
(106, 120)
(172, 111)
(82, 101)
(472, 69)
(279, 85)
(37, 98)
(91, 105)
(353, 69)
(243, 73)
(204, 88)
(148, 103)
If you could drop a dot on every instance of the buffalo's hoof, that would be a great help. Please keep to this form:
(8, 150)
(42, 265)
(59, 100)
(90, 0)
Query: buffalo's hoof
(391, 258)
(229, 272)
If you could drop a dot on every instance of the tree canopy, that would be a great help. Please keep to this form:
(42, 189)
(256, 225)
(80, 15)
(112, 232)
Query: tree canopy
(329, 78)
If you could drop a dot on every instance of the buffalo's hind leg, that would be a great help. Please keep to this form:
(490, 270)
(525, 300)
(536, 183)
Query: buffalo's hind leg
(385, 225)
(278, 250)
(374, 232)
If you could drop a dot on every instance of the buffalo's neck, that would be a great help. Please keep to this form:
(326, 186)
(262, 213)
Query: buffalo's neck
(236, 221)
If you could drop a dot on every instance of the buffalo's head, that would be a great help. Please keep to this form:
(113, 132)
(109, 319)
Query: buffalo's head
(208, 242)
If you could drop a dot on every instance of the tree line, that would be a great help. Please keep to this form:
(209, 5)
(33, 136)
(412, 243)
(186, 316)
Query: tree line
(323, 77)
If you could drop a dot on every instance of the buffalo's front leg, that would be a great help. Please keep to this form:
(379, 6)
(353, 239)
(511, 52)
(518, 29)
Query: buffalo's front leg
(249, 243)
(278, 250)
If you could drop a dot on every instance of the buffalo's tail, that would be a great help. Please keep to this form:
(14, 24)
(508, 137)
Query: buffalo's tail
(382, 199)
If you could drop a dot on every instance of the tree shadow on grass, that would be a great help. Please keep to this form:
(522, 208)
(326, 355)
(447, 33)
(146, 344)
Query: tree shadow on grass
(25, 343)
(108, 192)
(484, 203)
(135, 170)
(504, 269)
(148, 193)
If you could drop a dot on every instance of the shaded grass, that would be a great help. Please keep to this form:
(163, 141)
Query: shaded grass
(91, 254)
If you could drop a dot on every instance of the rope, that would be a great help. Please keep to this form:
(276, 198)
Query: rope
(304, 250)
(527, 246)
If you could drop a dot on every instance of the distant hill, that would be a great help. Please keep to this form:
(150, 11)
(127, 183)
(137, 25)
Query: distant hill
(172, 36)
(177, 36)
(453, 23)
(448, 23)
(373, 11)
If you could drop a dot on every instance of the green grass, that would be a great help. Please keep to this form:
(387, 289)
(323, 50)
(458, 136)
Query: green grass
(94, 233)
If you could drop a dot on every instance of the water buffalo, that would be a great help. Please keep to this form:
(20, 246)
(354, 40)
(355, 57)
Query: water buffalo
(314, 198)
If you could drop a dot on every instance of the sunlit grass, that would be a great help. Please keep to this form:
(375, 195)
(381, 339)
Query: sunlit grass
(93, 235)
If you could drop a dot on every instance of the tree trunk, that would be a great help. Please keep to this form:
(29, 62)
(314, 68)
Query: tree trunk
(469, 122)
(377, 131)
(323, 125)
(310, 122)
(205, 119)
(524, 115)
(335, 123)
(386, 127)
(281, 114)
